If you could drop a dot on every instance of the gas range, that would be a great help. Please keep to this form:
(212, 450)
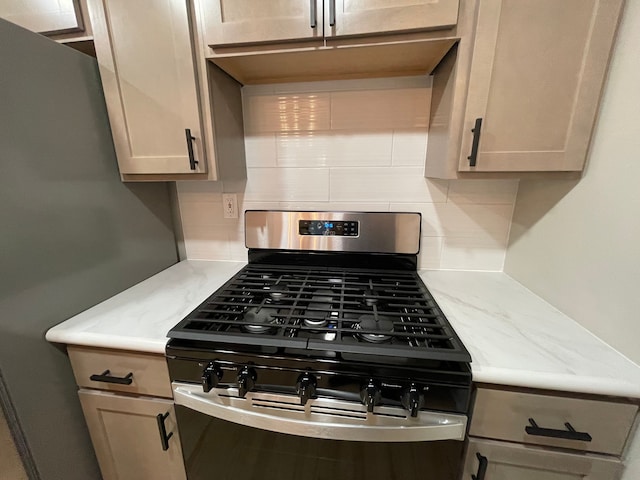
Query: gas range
(328, 319)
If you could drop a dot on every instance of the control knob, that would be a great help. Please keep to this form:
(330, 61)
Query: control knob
(413, 399)
(306, 387)
(246, 380)
(371, 395)
(211, 375)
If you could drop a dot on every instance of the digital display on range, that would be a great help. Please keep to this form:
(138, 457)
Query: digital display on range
(337, 228)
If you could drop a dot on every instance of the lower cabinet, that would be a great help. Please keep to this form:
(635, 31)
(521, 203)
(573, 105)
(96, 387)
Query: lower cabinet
(522, 434)
(127, 402)
(135, 438)
(492, 460)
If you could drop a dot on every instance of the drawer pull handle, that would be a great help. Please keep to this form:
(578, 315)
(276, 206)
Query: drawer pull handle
(332, 13)
(313, 13)
(107, 378)
(482, 467)
(568, 434)
(164, 438)
(473, 158)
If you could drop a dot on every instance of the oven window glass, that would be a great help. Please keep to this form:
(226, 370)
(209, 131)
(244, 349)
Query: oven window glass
(219, 449)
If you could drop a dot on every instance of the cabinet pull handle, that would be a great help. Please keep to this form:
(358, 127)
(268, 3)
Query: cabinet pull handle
(476, 141)
(164, 438)
(190, 138)
(107, 378)
(314, 13)
(568, 434)
(332, 13)
(482, 468)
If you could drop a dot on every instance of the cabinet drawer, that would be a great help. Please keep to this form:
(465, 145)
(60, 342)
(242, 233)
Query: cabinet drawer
(149, 373)
(512, 461)
(505, 415)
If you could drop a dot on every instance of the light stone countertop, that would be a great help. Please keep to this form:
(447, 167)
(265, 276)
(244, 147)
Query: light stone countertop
(514, 337)
(140, 317)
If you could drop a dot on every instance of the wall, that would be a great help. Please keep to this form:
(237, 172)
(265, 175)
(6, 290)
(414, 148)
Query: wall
(350, 145)
(578, 244)
(72, 236)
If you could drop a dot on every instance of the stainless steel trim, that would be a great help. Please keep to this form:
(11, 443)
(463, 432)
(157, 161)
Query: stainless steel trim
(380, 232)
(320, 418)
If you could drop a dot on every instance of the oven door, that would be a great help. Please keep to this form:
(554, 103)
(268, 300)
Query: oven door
(272, 437)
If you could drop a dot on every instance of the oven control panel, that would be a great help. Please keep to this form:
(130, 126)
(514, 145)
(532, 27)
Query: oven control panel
(337, 228)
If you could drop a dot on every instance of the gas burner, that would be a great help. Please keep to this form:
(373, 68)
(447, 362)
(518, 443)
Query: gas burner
(277, 292)
(316, 322)
(371, 297)
(379, 323)
(319, 308)
(321, 300)
(263, 320)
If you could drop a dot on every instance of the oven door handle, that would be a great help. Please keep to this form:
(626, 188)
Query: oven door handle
(320, 418)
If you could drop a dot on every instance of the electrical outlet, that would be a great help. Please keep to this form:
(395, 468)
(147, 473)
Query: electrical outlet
(230, 205)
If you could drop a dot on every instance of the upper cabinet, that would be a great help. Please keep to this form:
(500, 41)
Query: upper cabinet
(532, 75)
(234, 22)
(150, 84)
(238, 22)
(365, 17)
(65, 21)
(46, 17)
(516, 85)
(156, 90)
(311, 40)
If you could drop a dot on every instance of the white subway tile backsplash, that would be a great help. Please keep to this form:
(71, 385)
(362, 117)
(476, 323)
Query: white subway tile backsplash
(202, 213)
(356, 145)
(237, 248)
(430, 253)
(472, 253)
(409, 147)
(394, 184)
(359, 206)
(380, 109)
(260, 150)
(466, 220)
(246, 204)
(483, 191)
(431, 224)
(198, 190)
(315, 149)
(287, 184)
(283, 113)
(205, 243)
(335, 206)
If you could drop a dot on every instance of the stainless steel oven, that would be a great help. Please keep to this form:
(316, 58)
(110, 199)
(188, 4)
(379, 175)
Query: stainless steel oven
(325, 357)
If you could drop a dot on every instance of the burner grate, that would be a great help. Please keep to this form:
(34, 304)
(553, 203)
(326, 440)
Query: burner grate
(387, 313)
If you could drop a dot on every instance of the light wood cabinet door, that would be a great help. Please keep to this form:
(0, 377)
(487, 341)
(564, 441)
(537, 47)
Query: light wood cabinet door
(362, 17)
(505, 415)
(236, 22)
(536, 77)
(509, 461)
(148, 73)
(44, 16)
(126, 436)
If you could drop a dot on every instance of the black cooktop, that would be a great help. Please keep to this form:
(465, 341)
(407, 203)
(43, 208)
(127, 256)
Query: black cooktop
(387, 313)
